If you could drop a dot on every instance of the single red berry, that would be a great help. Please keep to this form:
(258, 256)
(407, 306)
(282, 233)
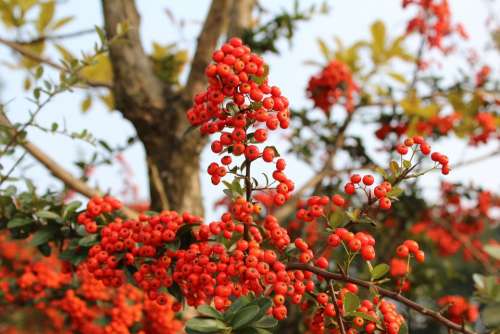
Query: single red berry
(368, 180)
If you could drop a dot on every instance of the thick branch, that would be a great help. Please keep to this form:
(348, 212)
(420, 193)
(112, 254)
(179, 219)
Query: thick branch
(213, 27)
(384, 292)
(24, 51)
(240, 17)
(57, 170)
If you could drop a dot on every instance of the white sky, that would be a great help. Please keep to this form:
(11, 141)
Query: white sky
(348, 19)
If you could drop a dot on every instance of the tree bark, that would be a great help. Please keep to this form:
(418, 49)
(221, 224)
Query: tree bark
(158, 113)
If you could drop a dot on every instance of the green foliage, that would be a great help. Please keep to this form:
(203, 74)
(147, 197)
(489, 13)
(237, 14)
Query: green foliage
(245, 315)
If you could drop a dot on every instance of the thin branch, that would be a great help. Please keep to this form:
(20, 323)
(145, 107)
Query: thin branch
(56, 37)
(327, 170)
(24, 51)
(384, 292)
(11, 170)
(480, 158)
(59, 171)
(337, 309)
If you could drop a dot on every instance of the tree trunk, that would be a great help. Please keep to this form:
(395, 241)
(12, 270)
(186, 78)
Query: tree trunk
(157, 113)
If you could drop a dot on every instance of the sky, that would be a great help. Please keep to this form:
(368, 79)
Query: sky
(350, 20)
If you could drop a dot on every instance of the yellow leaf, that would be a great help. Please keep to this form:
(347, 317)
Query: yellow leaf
(65, 53)
(86, 103)
(108, 100)
(398, 77)
(27, 83)
(26, 5)
(36, 48)
(378, 41)
(62, 22)
(99, 71)
(47, 10)
(324, 49)
(412, 106)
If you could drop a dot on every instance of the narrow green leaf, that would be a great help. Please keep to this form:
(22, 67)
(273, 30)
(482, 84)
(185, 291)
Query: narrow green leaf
(18, 222)
(88, 240)
(205, 325)
(42, 236)
(209, 311)
(48, 215)
(266, 322)
(245, 316)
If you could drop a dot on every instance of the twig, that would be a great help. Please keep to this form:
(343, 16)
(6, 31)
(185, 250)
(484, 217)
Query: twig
(7, 175)
(56, 37)
(337, 309)
(34, 56)
(384, 292)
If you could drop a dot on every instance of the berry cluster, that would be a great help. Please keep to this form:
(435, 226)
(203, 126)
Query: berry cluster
(459, 309)
(465, 232)
(418, 144)
(236, 103)
(334, 84)
(96, 207)
(380, 192)
(138, 244)
(372, 315)
(433, 21)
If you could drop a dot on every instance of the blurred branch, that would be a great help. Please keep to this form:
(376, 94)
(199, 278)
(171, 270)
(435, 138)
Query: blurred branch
(24, 51)
(213, 27)
(327, 170)
(56, 169)
(56, 37)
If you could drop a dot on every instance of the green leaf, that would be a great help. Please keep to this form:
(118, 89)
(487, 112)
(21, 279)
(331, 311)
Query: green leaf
(47, 10)
(88, 240)
(209, 311)
(395, 192)
(205, 325)
(48, 215)
(403, 329)
(237, 305)
(351, 302)
(245, 316)
(490, 315)
(406, 164)
(42, 236)
(39, 72)
(266, 322)
(380, 270)
(18, 222)
(493, 251)
(70, 208)
(45, 249)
